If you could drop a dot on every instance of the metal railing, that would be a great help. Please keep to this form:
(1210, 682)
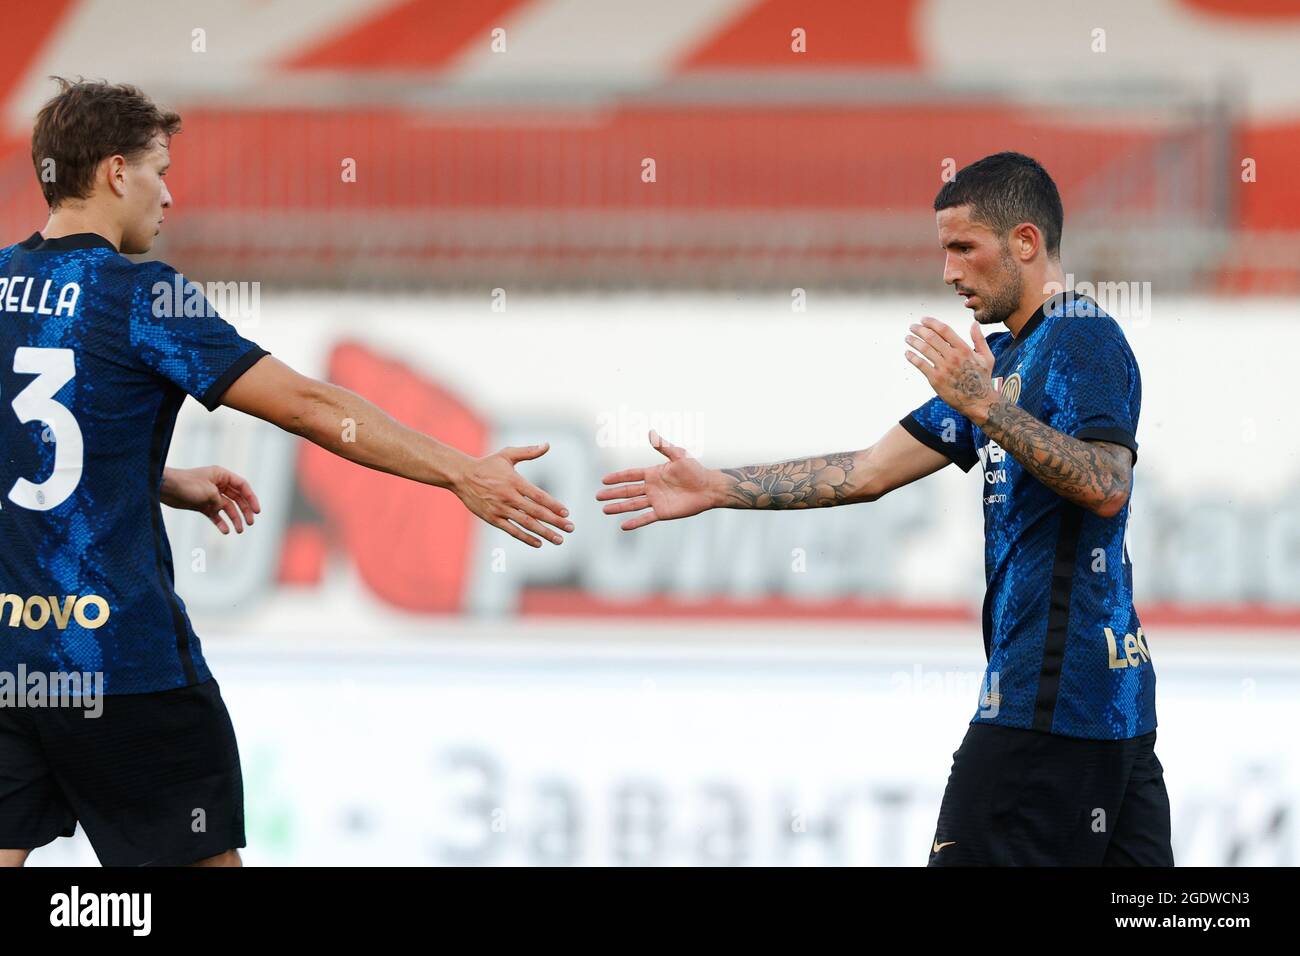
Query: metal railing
(757, 181)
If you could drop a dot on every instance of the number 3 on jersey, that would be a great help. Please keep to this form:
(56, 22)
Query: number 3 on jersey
(53, 369)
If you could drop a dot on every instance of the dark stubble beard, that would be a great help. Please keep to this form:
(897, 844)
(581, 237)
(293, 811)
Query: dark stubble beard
(1000, 304)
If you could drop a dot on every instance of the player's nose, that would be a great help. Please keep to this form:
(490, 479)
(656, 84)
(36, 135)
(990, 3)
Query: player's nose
(951, 273)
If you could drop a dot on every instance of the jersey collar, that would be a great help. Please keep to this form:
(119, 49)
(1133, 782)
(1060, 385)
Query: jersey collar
(80, 240)
(1057, 305)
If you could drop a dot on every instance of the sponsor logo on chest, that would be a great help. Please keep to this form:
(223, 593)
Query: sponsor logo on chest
(992, 455)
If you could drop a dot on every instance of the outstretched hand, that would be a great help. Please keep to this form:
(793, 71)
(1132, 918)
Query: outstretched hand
(213, 491)
(679, 488)
(495, 492)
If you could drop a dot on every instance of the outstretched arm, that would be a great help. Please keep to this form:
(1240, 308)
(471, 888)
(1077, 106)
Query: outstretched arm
(682, 487)
(489, 486)
(1095, 474)
(842, 478)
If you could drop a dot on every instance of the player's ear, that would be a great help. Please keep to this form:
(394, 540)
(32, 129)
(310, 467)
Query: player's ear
(114, 170)
(1025, 241)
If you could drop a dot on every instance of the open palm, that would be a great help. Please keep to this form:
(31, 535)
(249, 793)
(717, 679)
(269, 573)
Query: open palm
(679, 488)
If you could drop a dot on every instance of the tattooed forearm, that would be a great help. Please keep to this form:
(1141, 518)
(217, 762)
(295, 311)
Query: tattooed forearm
(1096, 475)
(802, 483)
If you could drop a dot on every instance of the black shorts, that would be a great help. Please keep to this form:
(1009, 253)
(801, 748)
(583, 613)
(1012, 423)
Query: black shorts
(153, 780)
(1027, 798)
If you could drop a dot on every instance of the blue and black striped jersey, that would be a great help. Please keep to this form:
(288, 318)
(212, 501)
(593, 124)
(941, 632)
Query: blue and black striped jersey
(1066, 652)
(97, 353)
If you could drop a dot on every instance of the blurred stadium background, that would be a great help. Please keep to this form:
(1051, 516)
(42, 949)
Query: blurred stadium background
(446, 205)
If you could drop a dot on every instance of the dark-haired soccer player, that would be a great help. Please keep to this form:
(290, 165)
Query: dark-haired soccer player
(97, 353)
(1058, 765)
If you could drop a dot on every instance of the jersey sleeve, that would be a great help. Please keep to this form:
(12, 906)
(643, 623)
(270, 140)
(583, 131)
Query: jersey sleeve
(176, 333)
(1094, 385)
(936, 425)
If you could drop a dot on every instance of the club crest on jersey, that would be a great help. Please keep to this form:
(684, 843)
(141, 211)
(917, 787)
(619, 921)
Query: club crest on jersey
(1009, 387)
